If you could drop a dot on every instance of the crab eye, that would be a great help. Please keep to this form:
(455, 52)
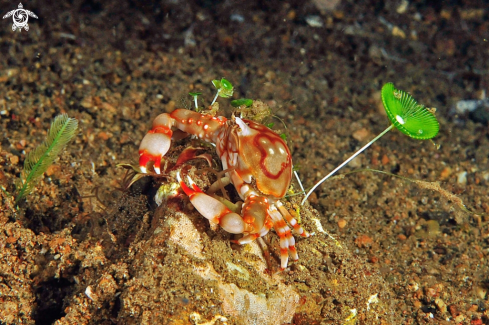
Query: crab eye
(244, 128)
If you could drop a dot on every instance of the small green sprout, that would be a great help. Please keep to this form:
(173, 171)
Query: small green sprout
(224, 89)
(195, 95)
(242, 101)
(406, 115)
(270, 125)
(63, 130)
(283, 136)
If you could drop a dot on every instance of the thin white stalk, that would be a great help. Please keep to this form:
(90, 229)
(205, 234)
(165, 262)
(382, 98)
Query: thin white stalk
(299, 181)
(346, 162)
(195, 101)
(216, 96)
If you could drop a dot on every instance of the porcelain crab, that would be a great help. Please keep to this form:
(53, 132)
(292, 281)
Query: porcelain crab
(258, 164)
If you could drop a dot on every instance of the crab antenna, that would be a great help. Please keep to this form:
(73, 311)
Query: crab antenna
(299, 181)
(346, 162)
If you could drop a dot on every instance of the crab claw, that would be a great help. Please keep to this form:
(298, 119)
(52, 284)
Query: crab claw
(156, 143)
(213, 209)
(152, 148)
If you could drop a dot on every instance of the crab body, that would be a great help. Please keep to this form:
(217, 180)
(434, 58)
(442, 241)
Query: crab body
(258, 164)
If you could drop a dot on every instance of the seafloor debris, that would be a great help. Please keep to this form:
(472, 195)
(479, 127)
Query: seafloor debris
(277, 306)
(478, 109)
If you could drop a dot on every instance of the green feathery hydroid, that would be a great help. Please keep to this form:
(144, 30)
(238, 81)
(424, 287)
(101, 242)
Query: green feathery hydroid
(62, 131)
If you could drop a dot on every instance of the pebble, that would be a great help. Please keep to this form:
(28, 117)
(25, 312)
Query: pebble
(237, 18)
(87, 102)
(53, 169)
(375, 53)
(471, 14)
(355, 162)
(417, 304)
(433, 228)
(361, 135)
(396, 31)
(469, 105)
(326, 5)
(403, 6)
(342, 223)
(103, 135)
(108, 107)
(445, 173)
(363, 241)
(14, 160)
(314, 21)
(313, 198)
(446, 14)
(374, 259)
(462, 178)
(480, 292)
(459, 319)
(453, 310)
(440, 304)
(270, 75)
(291, 15)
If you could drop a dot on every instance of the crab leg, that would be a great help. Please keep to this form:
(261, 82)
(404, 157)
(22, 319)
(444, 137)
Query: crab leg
(156, 142)
(212, 209)
(254, 223)
(255, 212)
(291, 220)
(287, 241)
